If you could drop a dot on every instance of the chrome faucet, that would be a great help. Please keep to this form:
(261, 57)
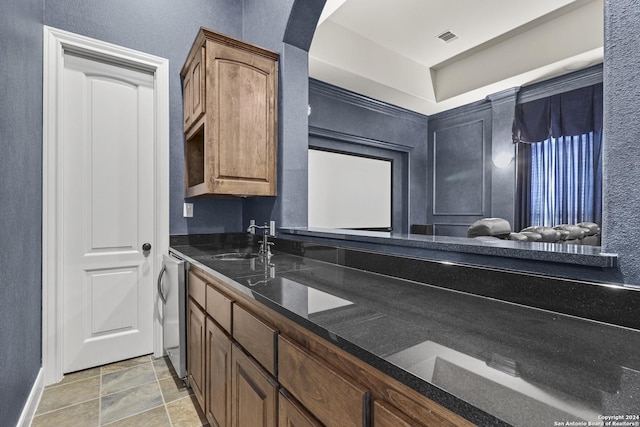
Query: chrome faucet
(265, 245)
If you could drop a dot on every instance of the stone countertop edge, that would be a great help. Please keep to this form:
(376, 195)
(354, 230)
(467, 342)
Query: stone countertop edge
(559, 253)
(441, 397)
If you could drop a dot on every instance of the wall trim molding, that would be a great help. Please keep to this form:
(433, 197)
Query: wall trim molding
(461, 112)
(363, 101)
(360, 140)
(507, 95)
(400, 155)
(483, 121)
(56, 42)
(449, 224)
(582, 78)
(31, 405)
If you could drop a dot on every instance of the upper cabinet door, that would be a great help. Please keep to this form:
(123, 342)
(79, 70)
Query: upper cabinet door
(245, 95)
(193, 90)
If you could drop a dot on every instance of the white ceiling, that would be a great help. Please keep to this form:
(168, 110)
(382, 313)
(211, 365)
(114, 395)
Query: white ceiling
(389, 50)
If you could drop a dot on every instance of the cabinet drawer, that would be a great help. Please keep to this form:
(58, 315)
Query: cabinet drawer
(386, 416)
(257, 338)
(330, 397)
(197, 289)
(219, 308)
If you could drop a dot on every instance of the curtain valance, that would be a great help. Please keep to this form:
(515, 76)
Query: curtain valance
(576, 112)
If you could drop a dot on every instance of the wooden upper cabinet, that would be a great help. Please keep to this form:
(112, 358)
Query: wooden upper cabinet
(230, 100)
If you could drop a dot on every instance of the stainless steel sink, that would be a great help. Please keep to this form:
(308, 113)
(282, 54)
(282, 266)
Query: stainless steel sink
(235, 256)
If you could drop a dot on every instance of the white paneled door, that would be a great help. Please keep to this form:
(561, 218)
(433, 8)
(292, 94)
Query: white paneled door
(107, 175)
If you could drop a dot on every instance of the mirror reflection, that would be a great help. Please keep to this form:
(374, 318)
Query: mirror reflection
(470, 79)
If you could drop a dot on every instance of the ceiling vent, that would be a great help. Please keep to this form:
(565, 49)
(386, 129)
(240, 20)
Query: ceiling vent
(447, 36)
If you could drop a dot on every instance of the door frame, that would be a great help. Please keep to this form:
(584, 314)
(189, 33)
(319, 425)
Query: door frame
(56, 42)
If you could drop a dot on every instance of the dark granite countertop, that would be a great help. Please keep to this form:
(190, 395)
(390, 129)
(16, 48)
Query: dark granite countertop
(493, 362)
(554, 252)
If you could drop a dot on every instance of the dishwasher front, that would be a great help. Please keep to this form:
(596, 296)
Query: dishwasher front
(172, 290)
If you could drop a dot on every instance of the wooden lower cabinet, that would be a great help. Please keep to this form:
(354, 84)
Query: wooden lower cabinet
(233, 376)
(254, 394)
(328, 395)
(386, 416)
(218, 376)
(196, 351)
(292, 414)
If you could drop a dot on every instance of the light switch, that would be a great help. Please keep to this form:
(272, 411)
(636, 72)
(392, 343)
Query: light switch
(187, 210)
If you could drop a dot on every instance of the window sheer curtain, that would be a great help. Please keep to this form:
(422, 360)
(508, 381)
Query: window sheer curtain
(559, 159)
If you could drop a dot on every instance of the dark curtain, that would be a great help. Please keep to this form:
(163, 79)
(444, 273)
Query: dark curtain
(576, 112)
(559, 159)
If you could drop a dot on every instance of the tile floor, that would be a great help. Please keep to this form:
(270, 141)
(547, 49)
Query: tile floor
(137, 392)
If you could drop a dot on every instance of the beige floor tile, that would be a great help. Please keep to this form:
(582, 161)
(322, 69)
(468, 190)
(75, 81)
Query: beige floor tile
(163, 368)
(80, 415)
(77, 376)
(127, 378)
(186, 413)
(156, 417)
(130, 402)
(174, 388)
(129, 363)
(69, 394)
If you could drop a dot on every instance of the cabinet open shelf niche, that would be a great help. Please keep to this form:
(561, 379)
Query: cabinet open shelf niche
(194, 157)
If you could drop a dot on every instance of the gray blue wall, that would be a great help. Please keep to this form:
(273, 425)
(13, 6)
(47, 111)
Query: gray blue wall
(286, 27)
(166, 29)
(163, 28)
(463, 182)
(621, 197)
(346, 121)
(459, 169)
(20, 203)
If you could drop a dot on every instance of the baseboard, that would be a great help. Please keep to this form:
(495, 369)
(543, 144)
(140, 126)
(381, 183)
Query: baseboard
(31, 405)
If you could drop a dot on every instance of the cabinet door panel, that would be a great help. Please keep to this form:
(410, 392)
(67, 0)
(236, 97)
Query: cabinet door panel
(218, 376)
(253, 393)
(245, 119)
(193, 91)
(242, 100)
(291, 414)
(330, 397)
(198, 86)
(196, 351)
(186, 101)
